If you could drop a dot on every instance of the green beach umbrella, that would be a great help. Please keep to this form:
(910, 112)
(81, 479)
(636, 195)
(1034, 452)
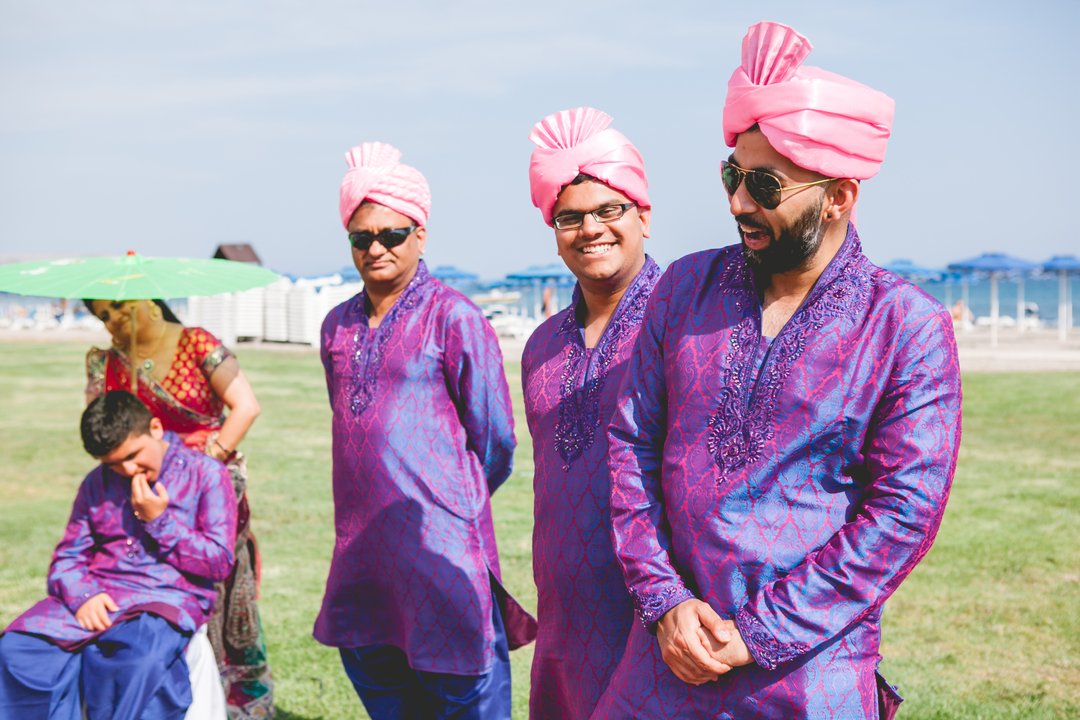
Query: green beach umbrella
(131, 277)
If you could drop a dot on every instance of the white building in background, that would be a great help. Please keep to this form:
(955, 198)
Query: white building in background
(292, 310)
(287, 311)
(276, 311)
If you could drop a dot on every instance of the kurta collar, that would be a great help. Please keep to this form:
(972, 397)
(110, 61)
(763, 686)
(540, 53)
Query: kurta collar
(572, 324)
(420, 281)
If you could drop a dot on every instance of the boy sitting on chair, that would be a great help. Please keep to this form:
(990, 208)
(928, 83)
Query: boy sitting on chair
(151, 530)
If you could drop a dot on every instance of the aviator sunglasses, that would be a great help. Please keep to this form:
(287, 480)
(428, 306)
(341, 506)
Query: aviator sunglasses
(765, 189)
(387, 237)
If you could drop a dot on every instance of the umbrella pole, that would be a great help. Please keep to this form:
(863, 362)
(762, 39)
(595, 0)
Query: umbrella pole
(993, 310)
(965, 292)
(1021, 310)
(131, 357)
(1063, 313)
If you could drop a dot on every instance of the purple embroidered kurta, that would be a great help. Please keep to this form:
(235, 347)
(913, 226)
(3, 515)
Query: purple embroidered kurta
(584, 612)
(167, 566)
(423, 432)
(792, 492)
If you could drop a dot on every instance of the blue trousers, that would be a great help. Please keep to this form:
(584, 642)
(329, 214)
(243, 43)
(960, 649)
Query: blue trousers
(135, 670)
(391, 690)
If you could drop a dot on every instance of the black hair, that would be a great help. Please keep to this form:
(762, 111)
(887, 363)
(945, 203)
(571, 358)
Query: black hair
(166, 311)
(111, 419)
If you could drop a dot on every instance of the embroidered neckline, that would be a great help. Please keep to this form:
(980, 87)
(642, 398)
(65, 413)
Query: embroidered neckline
(365, 369)
(580, 390)
(742, 423)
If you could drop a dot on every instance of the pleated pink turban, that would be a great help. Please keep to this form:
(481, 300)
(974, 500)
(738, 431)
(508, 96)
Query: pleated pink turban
(375, 174)
(572, 142)
(819, 120)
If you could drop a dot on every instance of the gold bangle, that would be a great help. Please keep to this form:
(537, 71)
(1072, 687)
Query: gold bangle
(222, 448)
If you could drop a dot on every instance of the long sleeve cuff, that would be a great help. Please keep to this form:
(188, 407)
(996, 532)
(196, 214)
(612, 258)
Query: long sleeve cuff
(73, 595)
(652, 606)
(768, 652)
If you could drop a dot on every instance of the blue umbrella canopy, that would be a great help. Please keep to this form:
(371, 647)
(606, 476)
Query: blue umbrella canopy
(551, 271)
(349, 273)
(910, 271)
(993, 263)
(1062, 263)
(449, 272)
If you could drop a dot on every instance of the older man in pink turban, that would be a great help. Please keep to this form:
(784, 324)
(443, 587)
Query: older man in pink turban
(784, 446)
(588, 180)
(423, 433)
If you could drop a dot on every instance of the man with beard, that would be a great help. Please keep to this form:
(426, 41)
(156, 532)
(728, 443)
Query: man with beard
(786, 439)
(588, 180)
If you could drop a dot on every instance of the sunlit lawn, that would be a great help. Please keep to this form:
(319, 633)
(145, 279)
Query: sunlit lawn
(986, 627)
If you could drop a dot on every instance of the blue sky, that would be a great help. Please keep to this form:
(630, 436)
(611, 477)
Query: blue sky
(171, 127)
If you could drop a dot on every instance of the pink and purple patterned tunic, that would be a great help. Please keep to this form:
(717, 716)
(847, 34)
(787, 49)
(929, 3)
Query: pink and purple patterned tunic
(584, 611)
(423, 433)
(791, 484)
(167, 566)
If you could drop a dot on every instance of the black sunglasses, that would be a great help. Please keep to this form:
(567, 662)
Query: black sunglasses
(764, 188)
(387, 237)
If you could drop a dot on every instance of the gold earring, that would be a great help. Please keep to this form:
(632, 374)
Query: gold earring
(155, 311)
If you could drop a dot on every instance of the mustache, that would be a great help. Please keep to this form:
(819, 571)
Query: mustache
(749, 221)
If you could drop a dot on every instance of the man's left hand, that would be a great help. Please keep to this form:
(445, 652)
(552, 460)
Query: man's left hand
(733, 652)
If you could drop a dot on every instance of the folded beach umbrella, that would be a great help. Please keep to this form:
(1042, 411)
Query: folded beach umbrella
(910, 271)
(996, 265)
(1064, 266)
(451, 273)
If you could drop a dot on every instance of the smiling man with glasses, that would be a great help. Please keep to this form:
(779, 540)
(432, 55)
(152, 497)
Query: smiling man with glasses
(782, 458)
(423, 433)
(589, 183)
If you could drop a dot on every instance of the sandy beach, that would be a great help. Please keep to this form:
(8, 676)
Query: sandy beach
(1032, 351)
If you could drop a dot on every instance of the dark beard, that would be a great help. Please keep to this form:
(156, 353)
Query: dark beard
(796, 245)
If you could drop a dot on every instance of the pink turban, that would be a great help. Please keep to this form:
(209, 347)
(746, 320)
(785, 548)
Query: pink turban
(578, 141)
(375, 174)
(819, 120)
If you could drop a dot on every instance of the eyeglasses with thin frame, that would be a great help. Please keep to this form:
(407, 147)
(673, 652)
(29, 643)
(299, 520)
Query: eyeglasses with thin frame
(765, 188)
(387, 237)
(602, 214)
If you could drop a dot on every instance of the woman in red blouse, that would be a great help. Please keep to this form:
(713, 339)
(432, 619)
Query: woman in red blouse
(188, 379)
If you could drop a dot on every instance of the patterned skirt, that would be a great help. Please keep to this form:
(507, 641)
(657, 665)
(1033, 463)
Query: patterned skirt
(234, 628)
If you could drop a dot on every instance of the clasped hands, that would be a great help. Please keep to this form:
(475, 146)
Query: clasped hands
(697, 644)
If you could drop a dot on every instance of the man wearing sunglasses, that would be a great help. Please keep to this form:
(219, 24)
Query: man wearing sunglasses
(588, 180)
(423, 433)
(782, 458)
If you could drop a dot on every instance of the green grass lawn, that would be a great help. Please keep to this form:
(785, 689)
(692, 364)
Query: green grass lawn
(986, 626)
